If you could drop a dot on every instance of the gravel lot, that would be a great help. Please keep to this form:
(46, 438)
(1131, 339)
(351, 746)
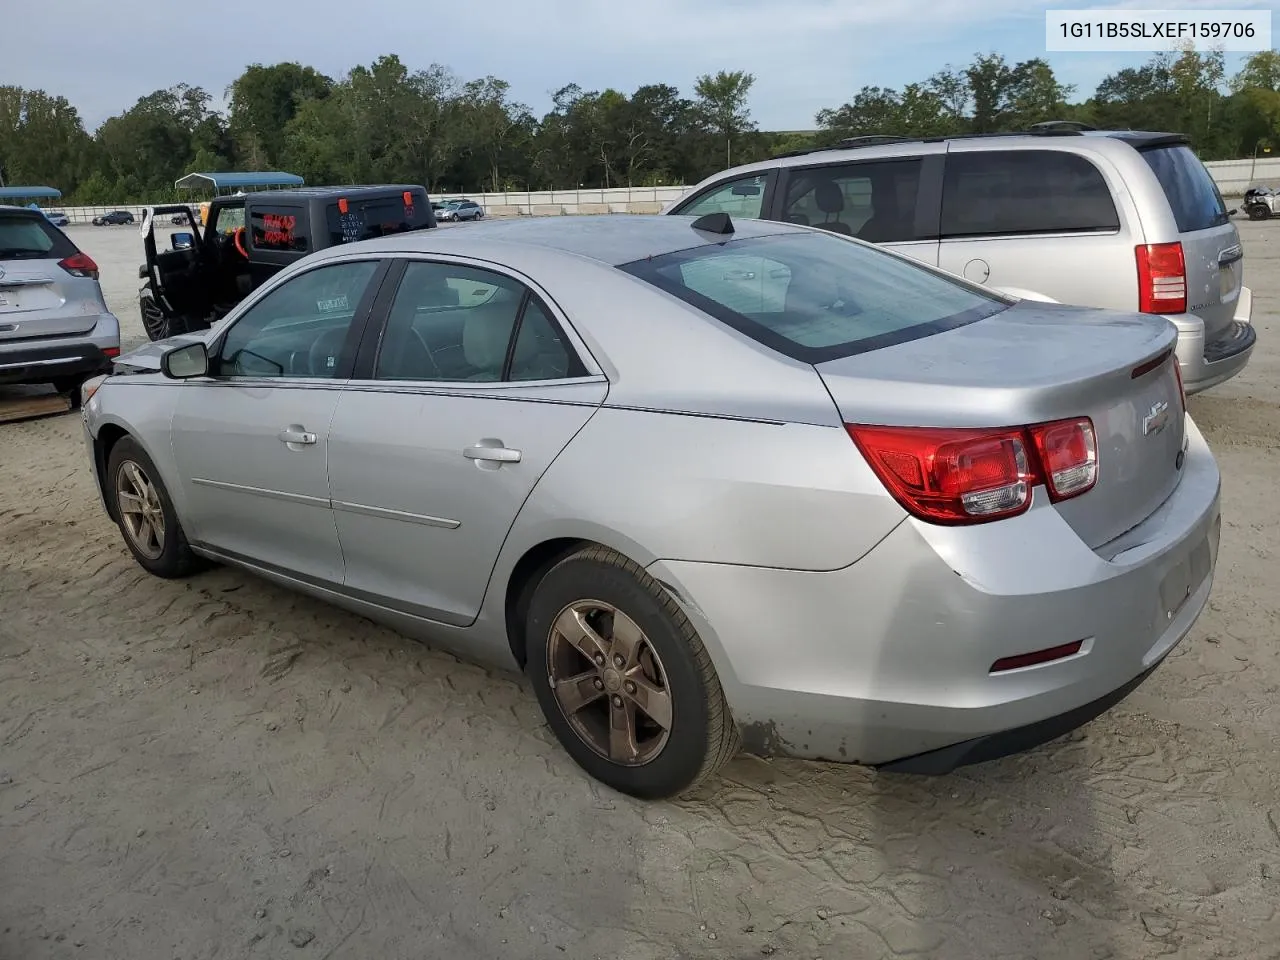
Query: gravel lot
(219, 768)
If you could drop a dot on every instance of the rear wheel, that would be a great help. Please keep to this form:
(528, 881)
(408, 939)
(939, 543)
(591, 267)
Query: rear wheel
(145, 513)
(1259, 211)
(624, 679)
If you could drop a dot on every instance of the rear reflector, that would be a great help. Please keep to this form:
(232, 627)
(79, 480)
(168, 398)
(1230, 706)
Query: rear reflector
(111, 351)
(1039, 656)
(961, 476)
(1162, 278)
(80, 265)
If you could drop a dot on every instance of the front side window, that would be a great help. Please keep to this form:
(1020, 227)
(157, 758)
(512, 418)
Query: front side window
(743, 197)
(814, 297)
(300, 328)
(458, 323)
(992, 193)
(873, 201)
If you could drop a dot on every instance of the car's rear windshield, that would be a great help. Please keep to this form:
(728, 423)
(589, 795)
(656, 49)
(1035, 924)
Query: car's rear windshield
(32, 237)
(814, 296)
(376, 217)
(1196, 201)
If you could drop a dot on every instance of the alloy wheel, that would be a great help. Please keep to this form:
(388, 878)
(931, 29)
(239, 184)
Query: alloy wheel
(609, 682)
(141, 513)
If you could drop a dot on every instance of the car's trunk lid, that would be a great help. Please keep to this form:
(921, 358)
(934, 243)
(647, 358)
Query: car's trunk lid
(36, 302)
(1033, 363)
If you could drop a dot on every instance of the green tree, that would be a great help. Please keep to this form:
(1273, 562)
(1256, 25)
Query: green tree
(263, 101)
(722, 106)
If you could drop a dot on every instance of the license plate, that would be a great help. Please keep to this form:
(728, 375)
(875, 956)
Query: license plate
(1227, 280)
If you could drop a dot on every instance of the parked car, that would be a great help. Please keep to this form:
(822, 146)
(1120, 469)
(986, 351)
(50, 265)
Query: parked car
(460, 210)
(114, 218)
(1126, 220)
(247, 239)
(57, 218)
(699, 479)
(1261, 203)
(55, 326)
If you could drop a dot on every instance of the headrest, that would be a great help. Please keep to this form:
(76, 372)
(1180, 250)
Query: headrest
(828, 197)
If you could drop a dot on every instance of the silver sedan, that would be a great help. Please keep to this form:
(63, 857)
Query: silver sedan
(712, 485)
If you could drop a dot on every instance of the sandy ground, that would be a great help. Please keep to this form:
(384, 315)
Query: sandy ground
(219, 768)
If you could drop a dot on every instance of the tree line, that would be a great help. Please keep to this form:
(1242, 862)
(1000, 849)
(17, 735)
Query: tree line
(388, 123)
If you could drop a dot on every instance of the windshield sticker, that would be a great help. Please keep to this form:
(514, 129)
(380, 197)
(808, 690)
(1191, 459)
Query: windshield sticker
(333, 304)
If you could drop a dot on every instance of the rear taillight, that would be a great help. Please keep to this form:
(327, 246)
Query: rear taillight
(1068, 452)
(959, 476)
(1162, 278)
(80, 265)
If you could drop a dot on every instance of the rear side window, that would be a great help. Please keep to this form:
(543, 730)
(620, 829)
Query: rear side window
(815, 297)
(277, 228)
(873, 201)
(1001, 192)
(376, 217)
(1196, 201)
(24, 237)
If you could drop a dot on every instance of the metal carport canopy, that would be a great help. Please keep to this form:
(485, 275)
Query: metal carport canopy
(29, 193)
(238, 181)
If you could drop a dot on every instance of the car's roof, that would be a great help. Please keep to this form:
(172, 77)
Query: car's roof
(610, 239)
(354, 192)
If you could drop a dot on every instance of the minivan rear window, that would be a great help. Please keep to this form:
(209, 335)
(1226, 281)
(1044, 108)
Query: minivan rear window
(816, 297)
(27, 237)
(377, 217)
(1196, 201)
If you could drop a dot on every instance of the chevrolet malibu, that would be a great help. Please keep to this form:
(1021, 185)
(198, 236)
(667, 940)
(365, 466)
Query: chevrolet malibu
(711, 485)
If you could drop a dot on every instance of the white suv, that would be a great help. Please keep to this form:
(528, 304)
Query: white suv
(1124, 220)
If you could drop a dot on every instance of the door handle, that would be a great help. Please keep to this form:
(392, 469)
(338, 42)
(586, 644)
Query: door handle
(492, 454)
(296, 435)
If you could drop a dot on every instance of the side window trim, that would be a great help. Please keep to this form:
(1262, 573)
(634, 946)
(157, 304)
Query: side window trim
(766, 200)
(355, 332)
(365, 366)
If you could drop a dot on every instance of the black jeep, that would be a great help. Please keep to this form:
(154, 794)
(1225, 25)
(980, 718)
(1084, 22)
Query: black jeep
(247, 239)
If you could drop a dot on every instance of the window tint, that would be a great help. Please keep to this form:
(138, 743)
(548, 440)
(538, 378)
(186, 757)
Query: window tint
(872, 201)
(451, 322)
(376, 217)
(743, 197)
(300, 328)
(1196, 201)
(993, 193)
(815, 297)
(24, 237)
(272, 228)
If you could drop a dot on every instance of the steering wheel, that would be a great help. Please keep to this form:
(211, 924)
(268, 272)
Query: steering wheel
(322, 358)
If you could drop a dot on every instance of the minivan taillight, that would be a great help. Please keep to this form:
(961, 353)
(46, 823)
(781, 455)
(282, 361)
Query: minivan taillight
(961, 476)
(1162, 278)
(80, 265)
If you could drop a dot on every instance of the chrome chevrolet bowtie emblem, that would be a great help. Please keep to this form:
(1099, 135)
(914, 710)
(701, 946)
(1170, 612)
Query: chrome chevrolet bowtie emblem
(1157, 418)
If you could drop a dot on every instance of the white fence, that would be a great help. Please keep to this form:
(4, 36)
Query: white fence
(1232, 177)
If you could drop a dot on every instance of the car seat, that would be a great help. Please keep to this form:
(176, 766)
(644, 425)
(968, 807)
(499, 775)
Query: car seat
(830, 200)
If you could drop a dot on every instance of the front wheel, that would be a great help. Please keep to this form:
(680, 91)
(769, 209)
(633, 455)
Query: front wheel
(623, 678)
(1259, 211)
(145, 514)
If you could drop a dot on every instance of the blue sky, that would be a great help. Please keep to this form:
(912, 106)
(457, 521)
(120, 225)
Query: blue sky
(806, 54)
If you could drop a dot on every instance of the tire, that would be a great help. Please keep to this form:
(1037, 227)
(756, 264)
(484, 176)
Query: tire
(71, 387)
(168, 554)
(665, 655)
(1258, 211)
(153, 319)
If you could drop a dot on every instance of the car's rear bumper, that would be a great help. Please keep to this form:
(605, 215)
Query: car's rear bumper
(39, 361)
(1207, 362)
(890, 658)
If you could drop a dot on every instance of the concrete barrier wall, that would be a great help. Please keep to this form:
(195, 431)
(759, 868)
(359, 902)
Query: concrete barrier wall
(1232, 177)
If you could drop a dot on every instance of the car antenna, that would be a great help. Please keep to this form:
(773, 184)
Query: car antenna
(714, 223)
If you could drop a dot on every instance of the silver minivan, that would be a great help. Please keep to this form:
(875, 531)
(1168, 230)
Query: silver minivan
(1125, 220)
(54, 323)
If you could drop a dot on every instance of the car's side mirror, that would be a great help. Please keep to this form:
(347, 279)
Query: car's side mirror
(184, 362)
(182, 241)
